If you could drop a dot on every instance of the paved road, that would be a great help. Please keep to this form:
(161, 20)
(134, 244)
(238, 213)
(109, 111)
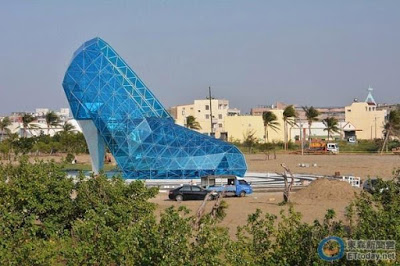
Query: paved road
(259, 181)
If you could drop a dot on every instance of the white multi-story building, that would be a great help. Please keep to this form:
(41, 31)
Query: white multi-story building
(39, 126)
(64, 114)
(41, 111)
(319, 131)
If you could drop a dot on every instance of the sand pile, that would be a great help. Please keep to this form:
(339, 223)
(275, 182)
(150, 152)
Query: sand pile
(326, 190)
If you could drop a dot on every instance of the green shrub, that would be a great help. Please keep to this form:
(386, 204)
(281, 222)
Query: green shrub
(49, 219)
(360, 146)
(69, 158)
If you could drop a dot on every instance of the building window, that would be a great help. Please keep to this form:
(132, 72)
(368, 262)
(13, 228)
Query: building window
(219, 106)
(220, 116)
(207, 107)
(348, 110)
(199, 111)
(207, 116)
(220, 125)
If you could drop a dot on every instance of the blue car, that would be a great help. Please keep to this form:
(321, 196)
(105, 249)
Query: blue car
(229, 185)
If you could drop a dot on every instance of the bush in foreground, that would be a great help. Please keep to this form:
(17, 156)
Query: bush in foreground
(49, 219)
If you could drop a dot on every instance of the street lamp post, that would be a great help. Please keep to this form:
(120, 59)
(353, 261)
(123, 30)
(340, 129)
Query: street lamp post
(301, 136)
(211, 116)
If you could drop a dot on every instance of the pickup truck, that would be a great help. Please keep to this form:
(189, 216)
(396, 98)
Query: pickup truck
(230, 185)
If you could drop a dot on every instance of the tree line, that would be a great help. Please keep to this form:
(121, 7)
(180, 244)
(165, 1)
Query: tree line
(391, 127)
(62, 142)
(65, 141)
(290, 118)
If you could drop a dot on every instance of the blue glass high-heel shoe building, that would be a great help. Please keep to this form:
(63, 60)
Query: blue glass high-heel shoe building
(115, 109)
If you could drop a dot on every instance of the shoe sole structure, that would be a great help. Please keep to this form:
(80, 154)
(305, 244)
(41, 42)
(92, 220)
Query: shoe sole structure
(115, 109)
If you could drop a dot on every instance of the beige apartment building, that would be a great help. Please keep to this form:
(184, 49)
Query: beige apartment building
(368, 121)
(201, 110)
(238, 127)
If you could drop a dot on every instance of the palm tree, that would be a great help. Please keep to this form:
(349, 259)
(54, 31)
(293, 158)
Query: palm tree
(331, 125)
(289, 114)
(312, 116)
(26, 120)
(250, 139)
(392, 126)
(4, 124)
(270, 121)
(52, 119)
(192, 123)
(67, 127)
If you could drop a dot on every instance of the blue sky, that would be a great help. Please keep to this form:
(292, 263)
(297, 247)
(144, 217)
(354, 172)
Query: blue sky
(250, 52)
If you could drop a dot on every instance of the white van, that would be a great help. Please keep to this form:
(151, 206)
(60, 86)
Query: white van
(332, 147)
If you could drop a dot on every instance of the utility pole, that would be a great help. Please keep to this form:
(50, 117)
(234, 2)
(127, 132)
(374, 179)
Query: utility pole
(371, 131)
(211, 116)
(301, 137)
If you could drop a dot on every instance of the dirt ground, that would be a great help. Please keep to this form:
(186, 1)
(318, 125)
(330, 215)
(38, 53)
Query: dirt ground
(361, 165)
(312, 202)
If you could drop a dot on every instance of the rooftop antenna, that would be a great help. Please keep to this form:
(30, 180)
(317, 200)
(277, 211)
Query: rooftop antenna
(370, 98)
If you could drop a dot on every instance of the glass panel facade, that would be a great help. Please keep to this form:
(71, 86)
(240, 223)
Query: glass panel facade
(134, 125)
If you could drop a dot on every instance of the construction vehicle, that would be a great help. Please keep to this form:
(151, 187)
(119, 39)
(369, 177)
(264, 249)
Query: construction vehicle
(322, 147)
